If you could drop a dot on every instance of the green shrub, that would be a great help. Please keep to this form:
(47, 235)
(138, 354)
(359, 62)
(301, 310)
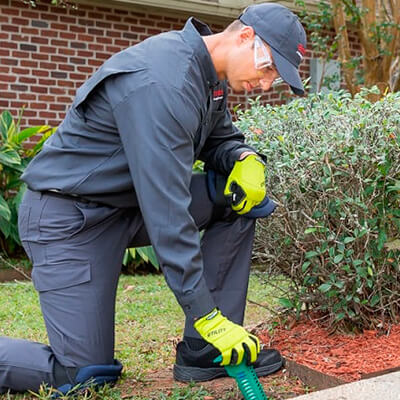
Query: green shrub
(14, 157)
(334, 169)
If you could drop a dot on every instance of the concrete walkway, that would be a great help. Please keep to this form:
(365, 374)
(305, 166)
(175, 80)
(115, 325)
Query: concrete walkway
(385, 387)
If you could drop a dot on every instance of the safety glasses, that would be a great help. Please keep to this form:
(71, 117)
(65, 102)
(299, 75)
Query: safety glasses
(262, 58)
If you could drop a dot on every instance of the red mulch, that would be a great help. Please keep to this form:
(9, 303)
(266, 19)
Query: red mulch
(347, 357)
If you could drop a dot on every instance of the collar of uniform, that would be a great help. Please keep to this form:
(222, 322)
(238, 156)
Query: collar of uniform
(192, 31)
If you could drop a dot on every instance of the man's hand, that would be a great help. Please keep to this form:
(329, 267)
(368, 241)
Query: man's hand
(227, 336)
(246, 184)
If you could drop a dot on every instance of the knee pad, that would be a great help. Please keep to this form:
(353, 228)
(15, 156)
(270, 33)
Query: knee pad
(92, 376)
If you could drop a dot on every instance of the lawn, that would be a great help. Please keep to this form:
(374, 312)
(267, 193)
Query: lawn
(149, 322)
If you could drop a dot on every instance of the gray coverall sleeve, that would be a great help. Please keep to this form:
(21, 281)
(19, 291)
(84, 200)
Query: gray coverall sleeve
(157, 125)
(224, 145)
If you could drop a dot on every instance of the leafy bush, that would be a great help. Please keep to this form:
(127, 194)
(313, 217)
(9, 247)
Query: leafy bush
(14, 157)
(334, 169)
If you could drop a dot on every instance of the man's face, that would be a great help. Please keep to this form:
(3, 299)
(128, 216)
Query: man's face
(251, 65)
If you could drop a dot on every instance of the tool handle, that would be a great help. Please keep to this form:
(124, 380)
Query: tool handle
(246, 379)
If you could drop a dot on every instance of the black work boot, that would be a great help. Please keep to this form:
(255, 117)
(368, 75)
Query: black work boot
(198, 365)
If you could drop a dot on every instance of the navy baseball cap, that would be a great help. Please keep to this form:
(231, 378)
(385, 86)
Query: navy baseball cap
(283, 32)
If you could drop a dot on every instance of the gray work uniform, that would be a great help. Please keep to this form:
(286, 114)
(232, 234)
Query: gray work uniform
(118, 173)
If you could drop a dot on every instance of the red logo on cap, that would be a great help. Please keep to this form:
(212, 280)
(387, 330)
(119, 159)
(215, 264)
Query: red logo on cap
(301, 49)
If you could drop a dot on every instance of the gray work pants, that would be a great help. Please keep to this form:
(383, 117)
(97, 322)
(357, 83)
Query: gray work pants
(76, 249)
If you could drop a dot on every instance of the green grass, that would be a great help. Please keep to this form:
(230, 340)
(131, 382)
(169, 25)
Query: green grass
(149, 322)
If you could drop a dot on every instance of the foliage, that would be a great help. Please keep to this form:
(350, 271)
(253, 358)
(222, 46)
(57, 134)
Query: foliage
(60, 3)
(334, 169)
(14, 157)
(140, 256)
(377, 26)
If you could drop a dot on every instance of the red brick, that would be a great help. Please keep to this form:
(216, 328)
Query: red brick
(58, 43)
(112, 49)
(78, 12)
(98, 47)
(67, 52)
(47, 82)
(24, 79)
(154, 31)
(104, 40)
(77, 60)
(20, 54)
(130, 20)
(96, 63)
(121, 42)
(9, 95)
(29, 63)
(39, 89)
(65, 83)
(94, 31)
(17, 104)
(46, 114)
(114, 34)
(101, 24)
(55, 90)
(78, 77)
(85, 53)
(48, 65)
(8, 45)
(49, 17)
(68, 35)
(164, 25)
(121, 27)
(27, 96)
(29, 14)
(66, 67)
(9, 61)
(40, 56)
(46, 97)
(87, 70)
(34, 121)
(20, 21)
(20, 71)
(78, 29)
(68, 20)
(59, 59)
(95, 15)
(39, 40)
(50, 33)
(10, 11)
(40, 73)
(31, 31)
(57, 107)
(85, 22)
(4, 104)
(146, 22)
(58, 26)
(102, 56)
(4, 69)
(4, 53)
(48, 49)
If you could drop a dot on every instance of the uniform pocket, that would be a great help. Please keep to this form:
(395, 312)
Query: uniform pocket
(59, 276)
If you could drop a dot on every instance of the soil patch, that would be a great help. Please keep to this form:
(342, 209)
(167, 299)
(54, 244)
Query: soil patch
(347, 357)
(278, 386)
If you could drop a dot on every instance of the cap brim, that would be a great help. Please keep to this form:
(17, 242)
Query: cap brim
(288, 72)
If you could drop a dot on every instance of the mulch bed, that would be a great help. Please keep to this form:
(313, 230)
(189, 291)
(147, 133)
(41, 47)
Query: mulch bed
(348, 357)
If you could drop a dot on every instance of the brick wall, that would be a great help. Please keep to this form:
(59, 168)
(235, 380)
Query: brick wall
(47, 52)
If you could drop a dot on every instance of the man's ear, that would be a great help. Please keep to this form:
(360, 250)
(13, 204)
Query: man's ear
(245, 35)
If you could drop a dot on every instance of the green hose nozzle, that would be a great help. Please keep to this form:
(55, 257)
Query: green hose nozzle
(246, 379)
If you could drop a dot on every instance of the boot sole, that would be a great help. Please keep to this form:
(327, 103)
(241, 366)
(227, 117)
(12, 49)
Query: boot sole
(195, 374)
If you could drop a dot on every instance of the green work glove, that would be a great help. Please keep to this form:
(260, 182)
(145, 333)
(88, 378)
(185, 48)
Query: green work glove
(227, 336)
(246, 184)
